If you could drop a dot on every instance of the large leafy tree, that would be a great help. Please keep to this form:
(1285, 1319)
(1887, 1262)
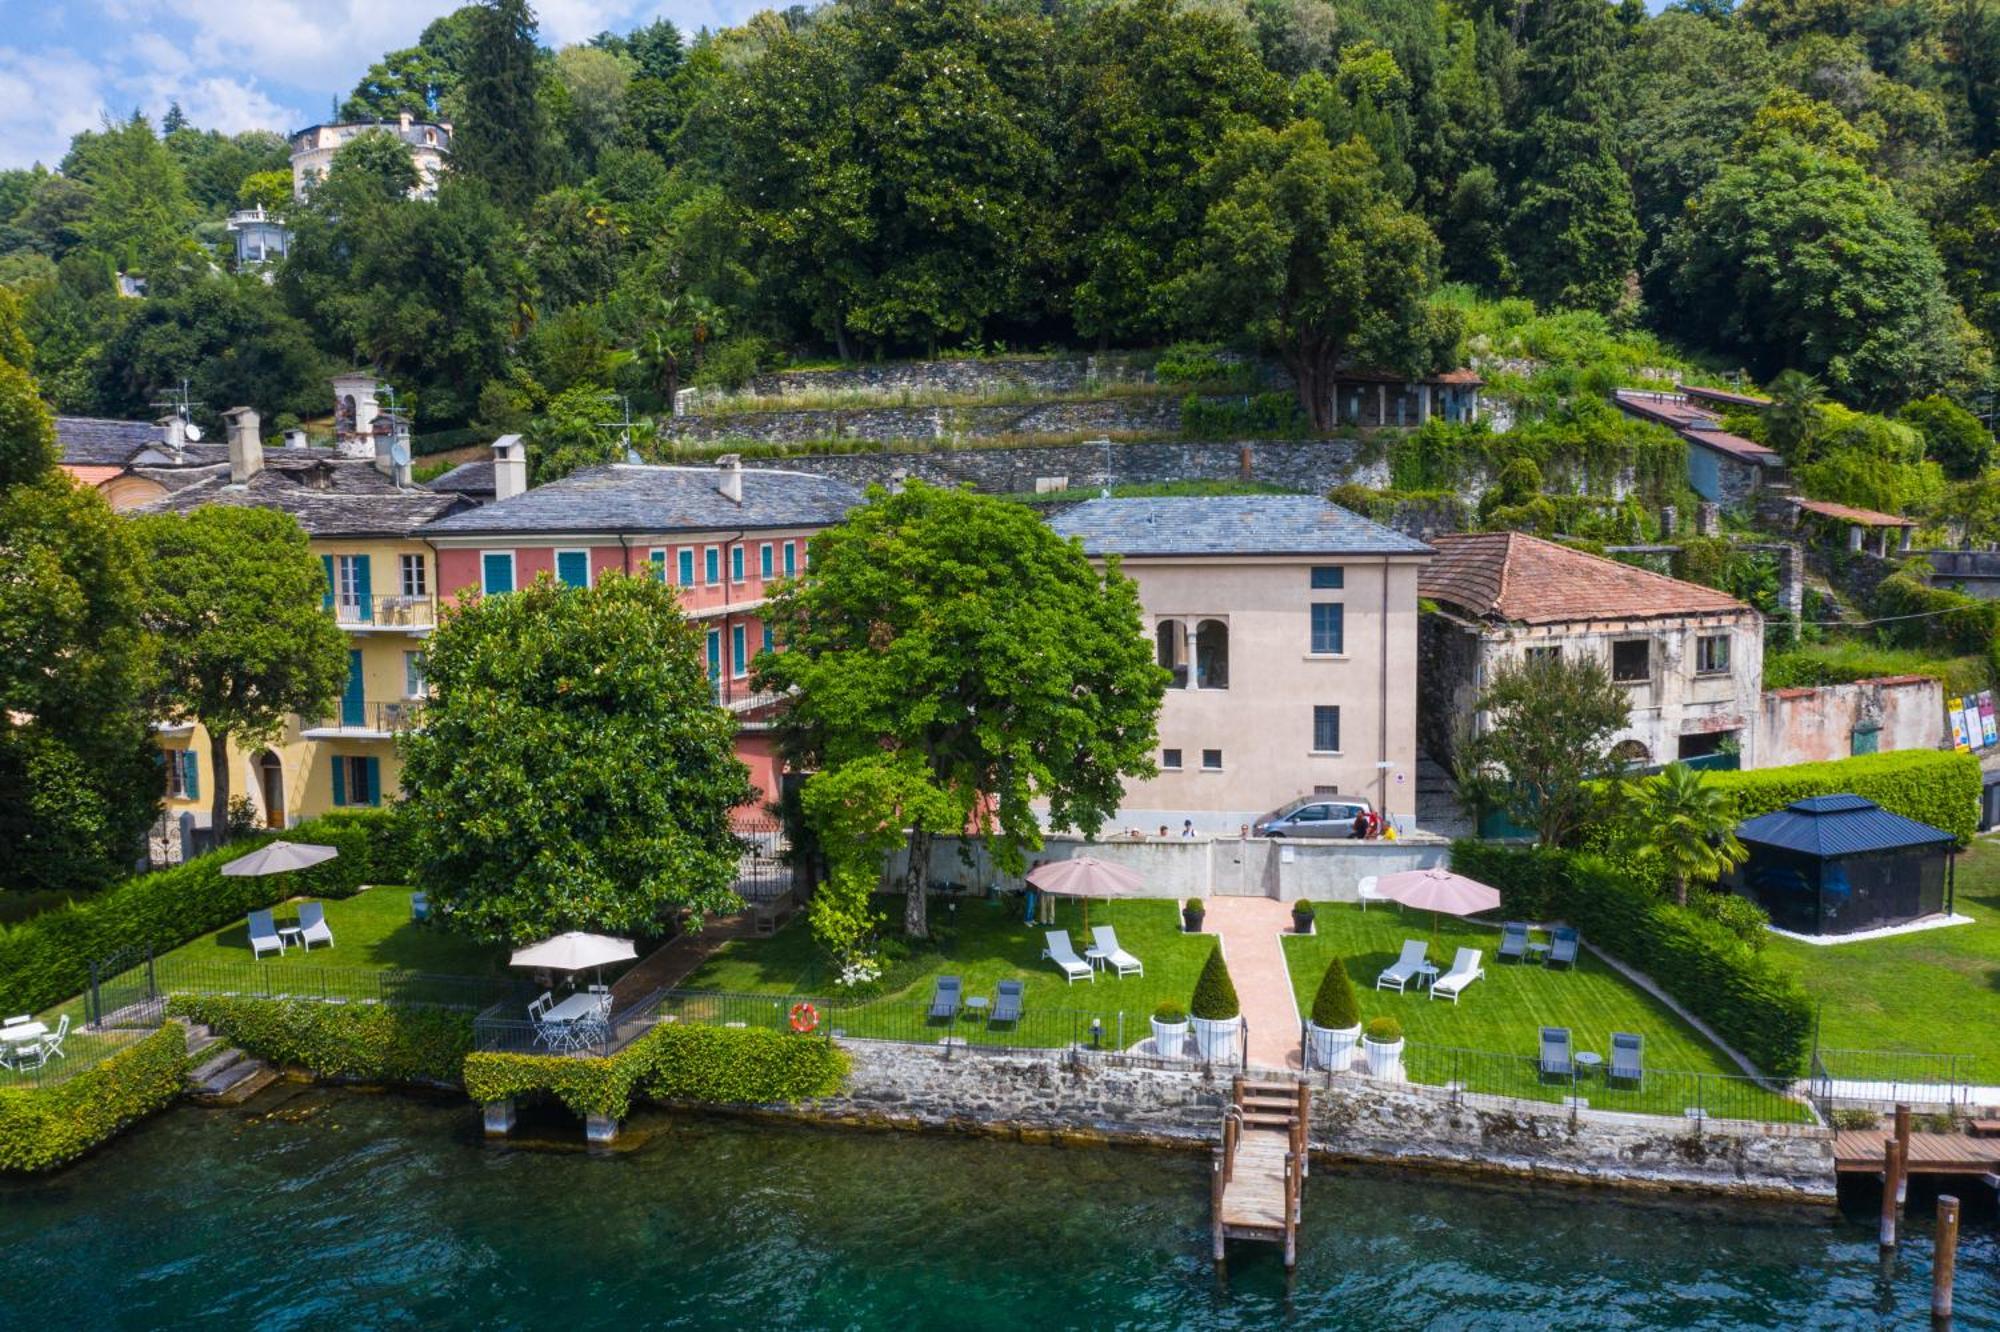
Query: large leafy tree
(138, 215)
(957, 637)
(573, 770)
(237, 598)
(502, 139)
(77, 778)
(1304, 252)
(1547, 741)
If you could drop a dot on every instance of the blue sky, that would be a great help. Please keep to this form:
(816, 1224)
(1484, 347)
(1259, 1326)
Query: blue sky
(235, 64)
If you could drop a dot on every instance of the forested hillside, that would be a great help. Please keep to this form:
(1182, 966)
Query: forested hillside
(1810, 185)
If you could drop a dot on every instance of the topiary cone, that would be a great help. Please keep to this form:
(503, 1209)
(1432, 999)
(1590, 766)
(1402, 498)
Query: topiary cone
(1215, 993)
(1334, 1007)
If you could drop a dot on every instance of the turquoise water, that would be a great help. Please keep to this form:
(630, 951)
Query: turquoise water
(318, 1208)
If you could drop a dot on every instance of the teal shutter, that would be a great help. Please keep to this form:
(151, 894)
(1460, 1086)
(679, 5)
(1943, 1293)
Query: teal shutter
(791, 558)
(711, 564)
(767, 638)
(498, 567)
(687, 566)
(353, 703)
(739, 654)
(736, 564)
(339, 780)
(191, 774)
(373, 771)
(764, 560)
(573, 568)
(362, 590)
(714, 654)
(326, 562)
(660, 565)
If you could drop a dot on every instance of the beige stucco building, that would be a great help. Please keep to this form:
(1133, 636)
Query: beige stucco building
(313, 150)
(1290, 628)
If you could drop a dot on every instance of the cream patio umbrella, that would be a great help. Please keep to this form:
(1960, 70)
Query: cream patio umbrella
(1439, 890)
(1086, 877)
(575, 950)
(279, 858)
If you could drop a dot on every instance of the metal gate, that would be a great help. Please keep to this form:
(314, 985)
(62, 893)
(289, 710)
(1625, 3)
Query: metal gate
(123, 991)
(764, 866)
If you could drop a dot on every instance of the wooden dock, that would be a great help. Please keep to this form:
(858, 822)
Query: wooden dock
(1859, 1152)
(1260, 1168)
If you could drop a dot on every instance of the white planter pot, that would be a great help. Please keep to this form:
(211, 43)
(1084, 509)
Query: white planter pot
(1170, 1038)
(1216, 1039)
(1333, 1047)
(1385, 1059)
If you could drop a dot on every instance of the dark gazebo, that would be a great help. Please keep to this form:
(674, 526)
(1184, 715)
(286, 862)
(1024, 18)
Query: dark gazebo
(1839, 864)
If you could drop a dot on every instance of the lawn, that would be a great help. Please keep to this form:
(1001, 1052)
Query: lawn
(1488, 1039)
(984, 942)
(1936, 991)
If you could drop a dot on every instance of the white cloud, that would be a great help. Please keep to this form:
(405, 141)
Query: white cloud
(232, 107)
(45, 98)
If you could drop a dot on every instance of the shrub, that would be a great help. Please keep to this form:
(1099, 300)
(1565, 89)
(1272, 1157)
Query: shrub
(1193, 363)
(1170, 1013)
(1194, 904)
(370, 1042)
(1938, 787)
(1739, 915)
(1303, 907)
(1214, 992)
(1383, 1030)
(47, 958)
(1334, 1007)
(1261, 415)
(1759, 1008)
(43, 1127)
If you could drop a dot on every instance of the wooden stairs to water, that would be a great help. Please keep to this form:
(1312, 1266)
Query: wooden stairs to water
(1260, 1168)
(227, 1076)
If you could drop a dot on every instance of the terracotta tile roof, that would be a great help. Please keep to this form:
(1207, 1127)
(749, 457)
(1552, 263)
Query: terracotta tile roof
(1847, 513)
(91, 474)
(1694, 423)
(1725, 397)
(1524, 579)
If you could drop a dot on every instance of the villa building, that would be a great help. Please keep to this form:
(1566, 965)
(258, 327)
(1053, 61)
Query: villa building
(313, 149)
(1290, 628)
(720, 536)
(1689, 658)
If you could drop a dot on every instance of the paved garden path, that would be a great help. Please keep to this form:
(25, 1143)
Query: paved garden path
(1249, 927)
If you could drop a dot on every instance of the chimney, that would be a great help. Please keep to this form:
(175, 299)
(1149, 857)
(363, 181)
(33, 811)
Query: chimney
(246, 447)
(295, 438)
(510, 467)
(173, 433)
(400, 455)
(731, 484)
(385, 434)
(896, 480)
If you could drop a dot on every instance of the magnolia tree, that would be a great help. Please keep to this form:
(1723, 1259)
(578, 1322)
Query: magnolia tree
(1546, 745)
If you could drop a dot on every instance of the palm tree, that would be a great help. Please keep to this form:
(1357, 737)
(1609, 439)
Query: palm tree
(1689, 823)
(1794, 412)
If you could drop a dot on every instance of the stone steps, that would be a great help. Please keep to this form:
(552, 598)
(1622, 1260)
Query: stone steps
(228, 1077)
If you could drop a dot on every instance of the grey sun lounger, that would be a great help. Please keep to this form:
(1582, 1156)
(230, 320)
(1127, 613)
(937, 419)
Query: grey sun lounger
(1627, 1058)
(1563, 952)
(313, 927)
(944, 999)
(264, 937)
(1513, 941)
(1556, 1061)
(1007, 1001)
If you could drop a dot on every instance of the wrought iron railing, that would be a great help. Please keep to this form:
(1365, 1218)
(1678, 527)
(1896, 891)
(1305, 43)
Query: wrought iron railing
(387, 717)
(1879, 1076)
(383, 611)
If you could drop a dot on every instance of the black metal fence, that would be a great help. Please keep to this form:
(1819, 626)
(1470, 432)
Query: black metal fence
(131, 990)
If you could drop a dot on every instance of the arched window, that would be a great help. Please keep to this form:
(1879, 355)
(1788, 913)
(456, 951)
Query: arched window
(1631, 753)
(1211, 655)
(1170, 639)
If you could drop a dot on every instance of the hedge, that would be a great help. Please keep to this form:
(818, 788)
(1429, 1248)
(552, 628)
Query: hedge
(369, 1042)
(672, 1062)
(1753, 1004)
(41, 1128)
(46, 958)
(1938, 787)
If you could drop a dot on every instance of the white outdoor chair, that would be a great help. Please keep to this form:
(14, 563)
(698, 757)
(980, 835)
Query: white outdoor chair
(1115, 957)
(49, 1047)
(1367, 892)
(1465, 969)
(264, 936)
(1408, 967)
(1063, 954)
(313, 927)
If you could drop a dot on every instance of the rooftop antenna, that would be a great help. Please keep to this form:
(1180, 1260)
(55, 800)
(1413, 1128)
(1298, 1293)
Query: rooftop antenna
(623, 426)
(181, 407)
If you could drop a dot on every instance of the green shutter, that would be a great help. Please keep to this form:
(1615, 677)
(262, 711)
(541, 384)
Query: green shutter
(736, 564)
(764, 560)
(687, 566)
(362, 588)
(660, 565)
(739, 655)
(374, 774)
(498, 568)
(573, 568)
(353, 702)
(191, 774)
(791, 559)
(339, 780)
(326, 562)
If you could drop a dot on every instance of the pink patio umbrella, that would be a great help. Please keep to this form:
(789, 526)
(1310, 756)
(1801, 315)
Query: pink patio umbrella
(1086, 877)
(1439, 889)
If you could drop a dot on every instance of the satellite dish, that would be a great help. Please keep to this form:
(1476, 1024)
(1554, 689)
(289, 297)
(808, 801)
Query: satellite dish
(193, 433)
(399, 453)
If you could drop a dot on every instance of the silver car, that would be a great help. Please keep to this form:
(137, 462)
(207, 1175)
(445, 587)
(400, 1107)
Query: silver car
(1312, 816)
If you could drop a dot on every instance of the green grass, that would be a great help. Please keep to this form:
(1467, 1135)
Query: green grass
(1500, 1017)
(984, 942)
(371, 930)
(1934, 992)
(1842, 661)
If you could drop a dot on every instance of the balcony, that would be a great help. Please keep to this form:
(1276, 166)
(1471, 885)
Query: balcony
(384, 614)
(356, 719)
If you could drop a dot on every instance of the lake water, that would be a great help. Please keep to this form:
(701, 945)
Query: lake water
(323, 1208)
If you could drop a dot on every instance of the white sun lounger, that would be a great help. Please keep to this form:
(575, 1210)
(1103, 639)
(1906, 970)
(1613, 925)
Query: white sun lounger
(1064, 955)
(1408, 967)
(313, 927)
(1465, 969)
(1115, 957)
(264, 935)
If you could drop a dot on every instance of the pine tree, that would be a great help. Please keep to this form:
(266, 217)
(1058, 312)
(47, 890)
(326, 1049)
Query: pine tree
(502, 138)
(176, 119)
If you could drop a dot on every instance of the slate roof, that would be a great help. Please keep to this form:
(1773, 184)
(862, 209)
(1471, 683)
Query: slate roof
(1725, 396)
(1228, 525)
(1847, 513)
(1838, 825)
(102, 442)
(640, 498)
(1694, 423)
(1525, 580)
(473, 478)
(331, 497)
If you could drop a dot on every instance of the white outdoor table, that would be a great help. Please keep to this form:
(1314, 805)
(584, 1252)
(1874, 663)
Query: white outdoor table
(27, 1031)
(573, 1008)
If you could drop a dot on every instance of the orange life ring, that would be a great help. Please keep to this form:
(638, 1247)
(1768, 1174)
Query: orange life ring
(804, 1017)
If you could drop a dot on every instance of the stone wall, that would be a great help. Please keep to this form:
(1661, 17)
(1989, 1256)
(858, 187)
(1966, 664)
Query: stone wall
(1447, 681)
(1043, 374)
(1147, 414)
(1810, 725)
(1056, 1094)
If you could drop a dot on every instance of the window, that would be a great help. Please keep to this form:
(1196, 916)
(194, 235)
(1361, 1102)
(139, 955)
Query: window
(1328, 576)
(1211, 760)
(496, 572)
(1170, 759)
(1544, 654)
(1326, 729)
(1329, 628)
(711, 565)
(1711, 654)
(1211, 655)
(1701, 746)
(1170, 639)
(764, 560)
(183, 774)
(657, 560)
(413, 675)
(573, 568)
(736, 564)
(739, 651)
(352, 596)
(1632, 661)
(714, 655)
(357, 781)
(791, 558)
(687, 566)
(415, 583)
(768, 641)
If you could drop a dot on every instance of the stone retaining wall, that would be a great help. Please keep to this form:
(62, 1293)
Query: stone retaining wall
(1036, 1094)
(1150, 414)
